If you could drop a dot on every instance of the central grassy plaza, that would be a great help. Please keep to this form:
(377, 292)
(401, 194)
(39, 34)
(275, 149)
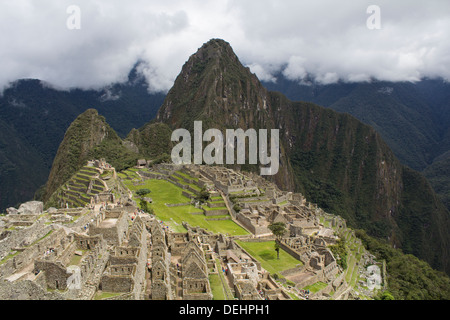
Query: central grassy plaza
(164, 192)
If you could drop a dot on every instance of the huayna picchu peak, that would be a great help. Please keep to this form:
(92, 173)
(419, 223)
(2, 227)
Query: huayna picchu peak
(342, 218)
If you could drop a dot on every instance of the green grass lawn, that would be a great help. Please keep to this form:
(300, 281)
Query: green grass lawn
(266, 254)
(213, 209)
(316, 287)
(219, 287)
(75, 260)
(104, 295)
(163, 192)
(216, 287)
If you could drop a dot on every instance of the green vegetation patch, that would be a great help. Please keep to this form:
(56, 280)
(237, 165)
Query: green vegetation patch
(216, 287)
(265, 253)
(164, 192)
(316, 287)
(105, 295)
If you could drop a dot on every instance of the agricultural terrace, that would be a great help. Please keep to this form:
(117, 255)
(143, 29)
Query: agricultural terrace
(164, 192)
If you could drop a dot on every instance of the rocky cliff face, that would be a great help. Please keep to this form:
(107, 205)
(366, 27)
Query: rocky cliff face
(335, 160)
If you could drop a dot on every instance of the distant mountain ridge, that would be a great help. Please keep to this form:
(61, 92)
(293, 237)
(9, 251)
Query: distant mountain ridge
(413, 118)
(34, 118)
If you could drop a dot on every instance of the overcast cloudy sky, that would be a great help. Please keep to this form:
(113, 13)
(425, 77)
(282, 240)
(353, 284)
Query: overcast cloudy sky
(329, 39)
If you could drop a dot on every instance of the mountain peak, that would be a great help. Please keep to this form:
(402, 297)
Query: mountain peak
(214, 55)
(215, 48)
(219, 86)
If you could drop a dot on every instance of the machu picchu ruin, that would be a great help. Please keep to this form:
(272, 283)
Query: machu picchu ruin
(196, 232)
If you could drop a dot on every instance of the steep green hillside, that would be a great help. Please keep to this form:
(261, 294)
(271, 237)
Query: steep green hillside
(438, 173)
(88, 137)
(19, 165)
(152, 141)
(408, 277)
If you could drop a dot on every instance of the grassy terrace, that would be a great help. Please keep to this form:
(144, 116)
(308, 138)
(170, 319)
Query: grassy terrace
(212, 209)
(186, 183)
(186, 175)
(105, 295)
(316, 287)
(75, 260)
(219, 285)
(266, 254)
(356, 251)
(216, 287)
(76, 187)
(163, 192)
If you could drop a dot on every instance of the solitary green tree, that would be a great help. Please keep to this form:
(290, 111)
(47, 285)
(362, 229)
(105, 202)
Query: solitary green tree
(144, 205)
(142, 192)
(142, 202)
(203, 196)
(278, 229)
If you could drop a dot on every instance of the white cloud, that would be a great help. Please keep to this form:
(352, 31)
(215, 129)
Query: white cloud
(326, 39)
(262, 73)
(295, 69)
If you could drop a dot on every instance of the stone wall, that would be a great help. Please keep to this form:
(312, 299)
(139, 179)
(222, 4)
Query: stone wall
(187, 194)
(244, 203)
(115, 234)
(217, 212)
(256, 262)
(292, 252)
(250, 226)
(196, 289)
(54, 266)
(174, 205)
(26, 290)
(309, 281)
(215, 204)
(84, 218)
(21, 237)
(56, 274)
(117, 283)
(28, 254)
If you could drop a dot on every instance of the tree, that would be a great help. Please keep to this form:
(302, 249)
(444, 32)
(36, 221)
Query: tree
(144, 205)
(142, 192)
(385, 295)
(278, 229)
(277, 249)
(203, 196)
(339, 251)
